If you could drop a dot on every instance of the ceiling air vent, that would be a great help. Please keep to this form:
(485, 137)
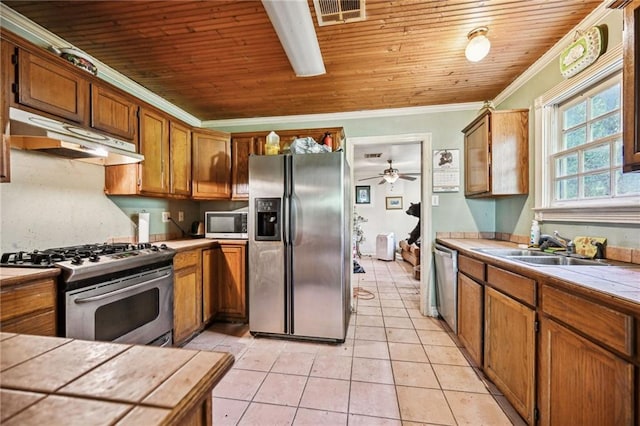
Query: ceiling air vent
(330, 12)
(375, 155)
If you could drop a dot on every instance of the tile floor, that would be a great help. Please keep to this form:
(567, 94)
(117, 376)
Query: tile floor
(395, 368)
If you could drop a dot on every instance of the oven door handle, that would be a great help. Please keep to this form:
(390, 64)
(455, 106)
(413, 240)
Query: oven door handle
(115, 292)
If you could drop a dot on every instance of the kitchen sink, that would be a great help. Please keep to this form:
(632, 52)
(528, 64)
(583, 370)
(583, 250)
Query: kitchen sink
(536, 257)
(557, 260)
(512, 252)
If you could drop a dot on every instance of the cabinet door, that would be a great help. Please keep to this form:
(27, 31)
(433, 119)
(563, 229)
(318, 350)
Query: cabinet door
(631, 92)
(581, 383)
(209, 285)
(241, 148)
(180, 160)
(154, 145)
(7, 76)
(230, 270)
(211, 165)
(49, 87)
(187, 295)
(113, 113)
(470, 316)
(509, 350)
(477, 158)
(29, 308)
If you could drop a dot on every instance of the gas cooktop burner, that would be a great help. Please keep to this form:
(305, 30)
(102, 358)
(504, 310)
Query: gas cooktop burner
(89, 259)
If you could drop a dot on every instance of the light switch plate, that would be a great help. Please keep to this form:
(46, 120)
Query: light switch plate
(435, 200)
(180, 216)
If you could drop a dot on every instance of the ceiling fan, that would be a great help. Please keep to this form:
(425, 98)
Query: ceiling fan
(391, 175)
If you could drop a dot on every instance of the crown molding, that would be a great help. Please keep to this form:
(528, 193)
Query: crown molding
(377, 113)
(598, 14)
(40, 36)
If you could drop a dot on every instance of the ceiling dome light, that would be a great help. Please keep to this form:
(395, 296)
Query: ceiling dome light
(479, 44)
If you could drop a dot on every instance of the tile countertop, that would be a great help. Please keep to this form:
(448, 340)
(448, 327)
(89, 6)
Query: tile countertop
(618, 283)
(54, 380)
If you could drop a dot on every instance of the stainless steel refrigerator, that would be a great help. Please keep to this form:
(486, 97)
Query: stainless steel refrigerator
(299, 246)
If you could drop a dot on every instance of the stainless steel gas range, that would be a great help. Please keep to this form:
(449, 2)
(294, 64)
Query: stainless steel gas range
(110, 292)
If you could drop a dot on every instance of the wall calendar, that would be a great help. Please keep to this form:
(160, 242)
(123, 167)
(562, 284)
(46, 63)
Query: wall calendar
(446, 170)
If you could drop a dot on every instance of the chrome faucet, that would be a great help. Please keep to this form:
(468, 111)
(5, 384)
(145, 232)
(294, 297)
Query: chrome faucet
(567, 243)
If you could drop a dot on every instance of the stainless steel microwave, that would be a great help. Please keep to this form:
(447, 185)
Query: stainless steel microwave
(226, 225)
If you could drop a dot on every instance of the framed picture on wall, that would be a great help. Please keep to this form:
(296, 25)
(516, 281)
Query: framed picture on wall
(363, 194)
(394, 203)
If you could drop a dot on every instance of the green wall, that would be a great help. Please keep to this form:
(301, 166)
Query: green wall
(514, 215)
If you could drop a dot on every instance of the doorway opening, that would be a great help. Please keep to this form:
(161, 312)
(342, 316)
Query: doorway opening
(423, 140)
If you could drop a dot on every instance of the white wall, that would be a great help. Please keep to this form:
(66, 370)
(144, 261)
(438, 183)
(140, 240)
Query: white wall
(381, 220)
(55, 202)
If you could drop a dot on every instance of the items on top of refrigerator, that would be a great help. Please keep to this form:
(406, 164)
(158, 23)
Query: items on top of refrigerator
(272, 146)
(307, 146)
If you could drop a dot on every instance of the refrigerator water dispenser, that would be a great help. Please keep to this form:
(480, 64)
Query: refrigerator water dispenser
(268, 222)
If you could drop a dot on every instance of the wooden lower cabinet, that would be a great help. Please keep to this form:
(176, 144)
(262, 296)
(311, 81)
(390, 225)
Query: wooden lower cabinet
(229, 267)
(581, 383)
(187, 295)
(209, 285)
(29, 308)
(470, 316)
(509, 350)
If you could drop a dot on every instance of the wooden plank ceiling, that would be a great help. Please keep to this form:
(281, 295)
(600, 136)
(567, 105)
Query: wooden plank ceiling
(222, 59)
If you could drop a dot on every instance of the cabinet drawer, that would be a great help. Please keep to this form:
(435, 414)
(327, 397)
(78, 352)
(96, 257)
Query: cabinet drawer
(610, 327)
(516, 286)
(41, 324)
(471, 267)
(23, 299)
(185, 259)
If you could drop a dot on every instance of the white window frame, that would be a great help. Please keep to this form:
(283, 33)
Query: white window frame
(623, 210)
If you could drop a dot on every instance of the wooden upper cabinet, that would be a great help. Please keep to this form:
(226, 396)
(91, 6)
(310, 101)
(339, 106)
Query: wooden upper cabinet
(52, 88)
(180, 166)
(113, 113)
(6, 79)
(241, 148)
(154, 145)
(496, 152)
(631, 85)
(211, 175)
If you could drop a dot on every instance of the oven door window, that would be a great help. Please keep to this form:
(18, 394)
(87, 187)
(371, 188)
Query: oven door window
(125, 315)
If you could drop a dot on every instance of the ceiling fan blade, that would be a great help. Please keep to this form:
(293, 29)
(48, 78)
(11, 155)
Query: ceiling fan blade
(372, 177)
(405, 177)
(381, 181)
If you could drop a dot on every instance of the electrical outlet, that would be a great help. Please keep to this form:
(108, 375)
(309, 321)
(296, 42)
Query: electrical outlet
(180, 216)
(165, 216)
(435, 200)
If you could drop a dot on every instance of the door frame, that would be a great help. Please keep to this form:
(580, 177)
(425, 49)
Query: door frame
(427, 290)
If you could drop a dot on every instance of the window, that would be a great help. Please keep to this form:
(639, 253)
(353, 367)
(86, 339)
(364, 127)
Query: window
(579, 149)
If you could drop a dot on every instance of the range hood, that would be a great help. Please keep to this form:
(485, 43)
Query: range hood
(30, 131)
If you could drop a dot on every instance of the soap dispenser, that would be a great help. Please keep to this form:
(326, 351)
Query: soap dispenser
(534, 240)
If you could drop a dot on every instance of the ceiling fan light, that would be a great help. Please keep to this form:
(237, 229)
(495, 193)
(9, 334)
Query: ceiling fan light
(391, 177)
(479, 45)
(293, 23)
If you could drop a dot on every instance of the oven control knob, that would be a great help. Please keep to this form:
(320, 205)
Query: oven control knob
(163, 246)
(77, 260)
(94, 257)
(154, 248)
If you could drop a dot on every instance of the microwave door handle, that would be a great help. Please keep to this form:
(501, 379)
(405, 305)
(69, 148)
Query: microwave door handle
(115, 292)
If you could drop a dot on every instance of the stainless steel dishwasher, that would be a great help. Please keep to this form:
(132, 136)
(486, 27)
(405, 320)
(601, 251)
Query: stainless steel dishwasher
(446, 265)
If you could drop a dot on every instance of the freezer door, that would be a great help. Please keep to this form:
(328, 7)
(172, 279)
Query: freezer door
(267, 289)
(317, 236)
